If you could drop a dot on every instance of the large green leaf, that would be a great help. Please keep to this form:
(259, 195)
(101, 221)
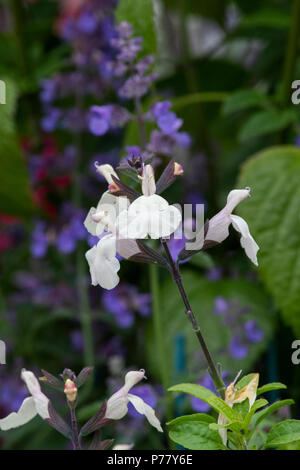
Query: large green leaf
(283, 433)
(261, 415)
(15, 196)
(141, 15)
(193, 432)
(202, 293)
(208, 397)
(272, 213)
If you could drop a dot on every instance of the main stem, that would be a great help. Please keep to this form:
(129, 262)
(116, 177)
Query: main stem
(75, 435)
(219, 385)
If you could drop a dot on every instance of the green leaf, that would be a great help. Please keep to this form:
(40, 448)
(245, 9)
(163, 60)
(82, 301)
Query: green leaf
(272, 213)
(268, 387)
(141, 15)
(266, 122)
(193, 432)
(261, 415)
(241, 409)
(266, 17)
(283, 433)
(256, 405)
(205, 418)
(207, 396)
(195, 98)
(15, 198)
(243, 99)
(244, 381)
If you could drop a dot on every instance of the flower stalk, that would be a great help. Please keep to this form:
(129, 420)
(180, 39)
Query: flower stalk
(219, 385)
(75, 434)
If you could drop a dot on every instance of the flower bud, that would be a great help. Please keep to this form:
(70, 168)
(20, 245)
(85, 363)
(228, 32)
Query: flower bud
(178, 170)
(113, 188)
(70, 391)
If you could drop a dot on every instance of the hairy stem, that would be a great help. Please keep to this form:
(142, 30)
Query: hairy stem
(219, 385)
(75, 434)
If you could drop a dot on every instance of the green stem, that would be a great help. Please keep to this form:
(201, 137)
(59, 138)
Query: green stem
(81, 266)
(291, 53)
(19, 14)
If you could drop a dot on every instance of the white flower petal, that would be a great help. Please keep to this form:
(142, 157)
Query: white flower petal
(90, 257)
(26, 412)
(127, 247)
(149, 216)
(132, 378)
(123, 447)
(218, 227)
(117, 405)
(144, 409)
(148, 181)
(103, 263)
(247, 241)
(41, 401)
(235, 197)
(107, 171)
(89, 223)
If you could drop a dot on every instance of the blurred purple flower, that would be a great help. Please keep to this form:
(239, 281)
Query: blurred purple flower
(99, 119)
(207, 382)
(39, 241)
(237, 349)
(221, 305)
(253, 333)
(123, 301)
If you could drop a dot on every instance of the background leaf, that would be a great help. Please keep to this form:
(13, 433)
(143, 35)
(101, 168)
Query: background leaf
(15, 198)
(141, 15)
(202, 294)
(273, 216)
(283, 433)
(266, 122)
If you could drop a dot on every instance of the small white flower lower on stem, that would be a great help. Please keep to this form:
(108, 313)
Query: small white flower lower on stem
(117, 405)
(218, 228)
(37, 403)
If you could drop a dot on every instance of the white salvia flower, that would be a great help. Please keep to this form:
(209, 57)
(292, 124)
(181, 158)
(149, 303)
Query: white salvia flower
(37, 403)
(218, 228)
(102, 259)
(117, 405)
(103, 263)
(150, 214)
(109, 203)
